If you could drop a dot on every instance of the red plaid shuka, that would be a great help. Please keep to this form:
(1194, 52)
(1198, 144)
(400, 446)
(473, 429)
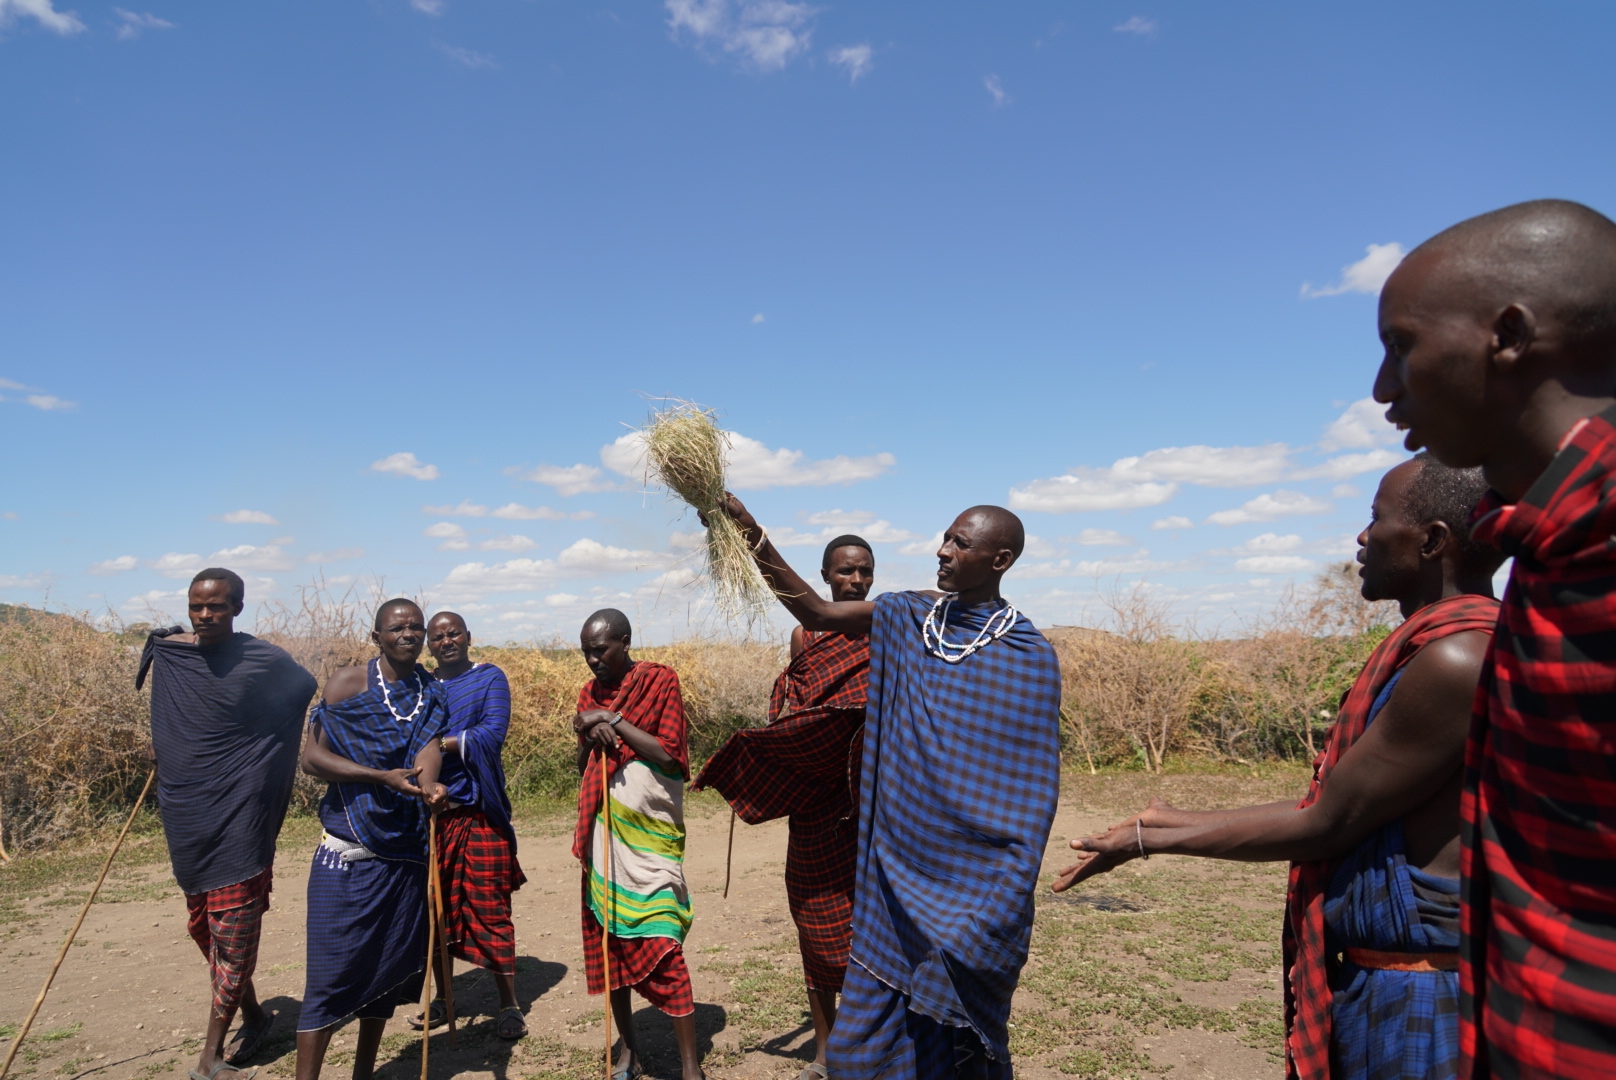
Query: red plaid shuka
(226, 924)
(1307, 982)
(805, 763)
(648, 697)
(1537, 955)
(479, 871)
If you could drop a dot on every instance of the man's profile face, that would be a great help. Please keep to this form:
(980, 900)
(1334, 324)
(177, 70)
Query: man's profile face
(1389, 548)
(968, 557)
(400, 632)
(850, 574)
(607, 656)
(1434, 373)
(213, 611)
(449, 640)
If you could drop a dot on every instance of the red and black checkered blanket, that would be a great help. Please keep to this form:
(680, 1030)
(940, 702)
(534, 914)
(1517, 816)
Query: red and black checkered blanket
(1537, 957)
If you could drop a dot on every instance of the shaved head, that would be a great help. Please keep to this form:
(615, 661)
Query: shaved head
(1004, 529)
(397, 602)
(450, 616)
(1554, 256)
(614, 622)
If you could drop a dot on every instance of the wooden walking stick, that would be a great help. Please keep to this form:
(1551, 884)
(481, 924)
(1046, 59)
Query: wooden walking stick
(22, 1032)
(436, 887)
(606, 905)
(729, 852)
(431, 928)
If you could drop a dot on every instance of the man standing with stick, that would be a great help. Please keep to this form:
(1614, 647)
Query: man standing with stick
(634, 756)
(374, 738)
(226, 719)
(958, 786)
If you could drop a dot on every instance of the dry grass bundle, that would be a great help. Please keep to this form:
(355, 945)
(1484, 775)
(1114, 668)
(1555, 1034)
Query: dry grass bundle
(685, 453)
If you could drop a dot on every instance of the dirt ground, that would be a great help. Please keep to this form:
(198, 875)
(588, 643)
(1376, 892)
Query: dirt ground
(1168, 967)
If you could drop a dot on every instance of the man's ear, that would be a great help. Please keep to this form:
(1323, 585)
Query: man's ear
(1003, 560)
(1438, 541)
(824, 575)
(241, 605)
(1514, 333)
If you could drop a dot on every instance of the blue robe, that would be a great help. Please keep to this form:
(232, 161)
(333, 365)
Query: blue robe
(366, 931)
(960, 780)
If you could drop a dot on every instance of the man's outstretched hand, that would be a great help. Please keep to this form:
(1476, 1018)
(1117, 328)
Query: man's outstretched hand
(1102, 853)
(743, 517)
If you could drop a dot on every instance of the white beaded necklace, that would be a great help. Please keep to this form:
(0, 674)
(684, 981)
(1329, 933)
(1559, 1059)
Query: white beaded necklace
(931, 632)
(420, 696)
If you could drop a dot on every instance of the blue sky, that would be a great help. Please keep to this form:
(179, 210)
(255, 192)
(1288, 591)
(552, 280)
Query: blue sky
(371, 290)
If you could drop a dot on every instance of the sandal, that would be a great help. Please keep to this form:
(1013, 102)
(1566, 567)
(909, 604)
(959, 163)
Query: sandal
(437, 1015)
(219, 1067)
(247, 1041)
(814, 1071)
(508, 1032)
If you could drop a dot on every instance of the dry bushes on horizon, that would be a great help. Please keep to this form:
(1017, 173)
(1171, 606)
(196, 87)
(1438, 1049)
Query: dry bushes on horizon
(73, 730)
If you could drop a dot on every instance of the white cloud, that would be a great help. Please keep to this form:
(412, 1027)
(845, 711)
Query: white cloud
(158, 602)
(1342, 547)
(466, 508)
(1271, 543)
(1345, 465)
(757, 320)
(1103, 538)
(49, 402)
(248, 517)
(518, 512)
(43, 12)
(568, 480)
(1270, 507)
(1362, 426)
(922, 548)
(1137, 25)
(995, 90)
(1174, 522)
(876, 532)
(465, 57)
(752, 466)
(1344, 491)
(516, 575)
(335, 555)
(114, 566)
(561, 599)
(588, 556)
(1367, 275)
(1139, 562)
(131, 23)
(763, 34)
(428, 7)
(1038, 547)
(176, 565)
(250, 557)
(405, 464)
(1088, 489)
(452, 535)
(1208, 466)
(841, 519)
(859, 60)
(1273, 564)
(512, 542)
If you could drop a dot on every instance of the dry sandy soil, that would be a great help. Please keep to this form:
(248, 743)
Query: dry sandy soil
(1166, 968)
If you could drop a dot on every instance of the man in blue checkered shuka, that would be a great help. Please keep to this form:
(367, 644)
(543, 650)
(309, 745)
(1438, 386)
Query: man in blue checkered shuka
(960, 779)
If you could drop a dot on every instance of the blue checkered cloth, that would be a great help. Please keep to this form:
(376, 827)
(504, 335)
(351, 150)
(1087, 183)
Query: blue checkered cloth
(1392, 1025)
(363, 730)
(479, 717)
(365, 951)
(960, 781)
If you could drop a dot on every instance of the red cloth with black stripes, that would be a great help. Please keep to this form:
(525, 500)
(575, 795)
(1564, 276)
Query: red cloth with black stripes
(226, 924)
(1307, 982)
(1537, 955)
(649, 698)
(805, 763)
(478, 868)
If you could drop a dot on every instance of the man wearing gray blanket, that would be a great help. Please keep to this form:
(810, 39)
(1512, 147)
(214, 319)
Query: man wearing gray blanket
(227, 722)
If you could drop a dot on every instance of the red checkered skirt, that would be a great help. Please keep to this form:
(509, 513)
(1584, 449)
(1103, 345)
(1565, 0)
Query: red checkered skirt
(821, 860)
(226, 924)
(654, 966)
(477, 865)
